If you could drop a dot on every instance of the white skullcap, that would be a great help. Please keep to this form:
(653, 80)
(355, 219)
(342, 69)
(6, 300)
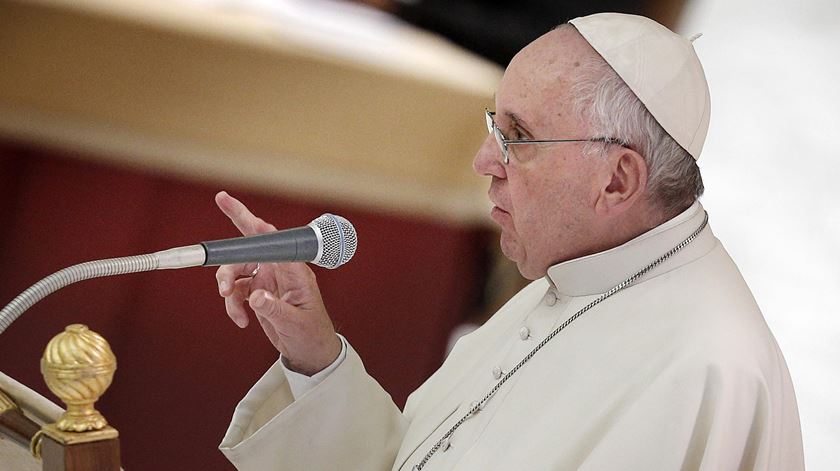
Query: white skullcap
(660, 67)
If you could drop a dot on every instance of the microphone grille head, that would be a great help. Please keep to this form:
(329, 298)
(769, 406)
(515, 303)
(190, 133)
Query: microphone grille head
(337, 239)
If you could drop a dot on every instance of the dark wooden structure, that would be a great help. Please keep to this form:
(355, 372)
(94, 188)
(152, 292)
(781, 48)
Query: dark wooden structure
(99, 455)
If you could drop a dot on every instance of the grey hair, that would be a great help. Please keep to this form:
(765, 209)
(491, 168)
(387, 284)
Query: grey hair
(605, 102)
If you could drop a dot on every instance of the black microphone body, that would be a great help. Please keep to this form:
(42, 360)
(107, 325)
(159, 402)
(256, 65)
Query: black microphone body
(290, 245)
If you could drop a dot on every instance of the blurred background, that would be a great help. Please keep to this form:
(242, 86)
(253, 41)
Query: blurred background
(120, 119)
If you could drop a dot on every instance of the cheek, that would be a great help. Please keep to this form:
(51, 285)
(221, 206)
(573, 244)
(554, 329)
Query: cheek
(547, 210)
(537, 198)
(533, 202)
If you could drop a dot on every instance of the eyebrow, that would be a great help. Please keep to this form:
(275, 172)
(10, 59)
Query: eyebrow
(515, 118)
(518, 121)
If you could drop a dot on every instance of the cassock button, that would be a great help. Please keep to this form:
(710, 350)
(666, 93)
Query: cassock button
(497, 372)
(551, 298)
(524, 333)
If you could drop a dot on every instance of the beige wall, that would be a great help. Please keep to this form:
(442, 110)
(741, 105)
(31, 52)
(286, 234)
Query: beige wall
(390, 124)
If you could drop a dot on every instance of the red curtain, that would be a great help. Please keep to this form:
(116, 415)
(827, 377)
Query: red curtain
(182, 364)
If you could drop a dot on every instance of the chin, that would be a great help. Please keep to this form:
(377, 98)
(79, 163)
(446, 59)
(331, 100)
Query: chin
(511, 248)
(516, 253)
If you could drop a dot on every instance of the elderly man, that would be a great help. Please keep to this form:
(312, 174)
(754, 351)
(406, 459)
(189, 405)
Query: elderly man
(638, 345)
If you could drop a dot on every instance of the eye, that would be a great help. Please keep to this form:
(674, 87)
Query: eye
(520, 134)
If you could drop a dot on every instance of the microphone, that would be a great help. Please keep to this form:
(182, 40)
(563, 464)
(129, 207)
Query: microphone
(328, 241)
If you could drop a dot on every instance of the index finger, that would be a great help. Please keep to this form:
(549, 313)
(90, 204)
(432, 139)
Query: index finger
(241, 216)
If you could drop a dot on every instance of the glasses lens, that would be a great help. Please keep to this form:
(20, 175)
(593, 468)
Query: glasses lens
(502, 146)
(489, 120)
(497, 133)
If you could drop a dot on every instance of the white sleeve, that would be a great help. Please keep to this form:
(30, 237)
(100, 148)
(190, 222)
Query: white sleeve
(272, 431)
(301, 384)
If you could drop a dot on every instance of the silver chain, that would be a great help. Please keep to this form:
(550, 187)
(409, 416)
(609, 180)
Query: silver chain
(477, 406)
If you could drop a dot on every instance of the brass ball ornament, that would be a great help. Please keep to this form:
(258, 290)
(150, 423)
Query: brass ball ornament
(78, 366)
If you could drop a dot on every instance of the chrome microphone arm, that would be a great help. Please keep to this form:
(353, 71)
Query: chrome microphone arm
(180, 257)
(328, 241)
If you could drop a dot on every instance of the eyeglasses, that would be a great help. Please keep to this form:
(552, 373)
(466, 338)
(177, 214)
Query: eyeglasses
(492, 128)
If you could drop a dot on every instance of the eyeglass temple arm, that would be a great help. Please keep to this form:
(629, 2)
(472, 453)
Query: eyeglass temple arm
(608, 140)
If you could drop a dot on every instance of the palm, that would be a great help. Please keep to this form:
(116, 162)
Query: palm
(284, 297)
(283, 279)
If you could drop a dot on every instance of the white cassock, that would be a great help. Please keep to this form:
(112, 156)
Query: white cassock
(678, 372)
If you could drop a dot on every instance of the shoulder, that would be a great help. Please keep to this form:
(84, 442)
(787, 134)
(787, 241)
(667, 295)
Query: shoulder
(719, 320)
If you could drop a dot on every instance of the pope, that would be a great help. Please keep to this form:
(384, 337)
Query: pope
(637, 345)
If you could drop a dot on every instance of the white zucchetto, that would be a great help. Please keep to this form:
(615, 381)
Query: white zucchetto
(660, 67)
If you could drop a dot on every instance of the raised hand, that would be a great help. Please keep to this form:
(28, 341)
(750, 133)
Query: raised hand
(283, 296)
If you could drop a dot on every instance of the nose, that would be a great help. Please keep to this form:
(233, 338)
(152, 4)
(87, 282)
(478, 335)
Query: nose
(488, 159)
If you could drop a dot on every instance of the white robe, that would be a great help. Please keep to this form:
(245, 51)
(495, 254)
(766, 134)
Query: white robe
(678, 372)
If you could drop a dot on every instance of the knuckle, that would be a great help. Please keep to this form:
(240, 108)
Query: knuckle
(274, 311)
(225, 272)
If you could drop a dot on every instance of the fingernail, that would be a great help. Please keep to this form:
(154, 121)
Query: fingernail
(240, 323)
(286, 297)
(223, 287)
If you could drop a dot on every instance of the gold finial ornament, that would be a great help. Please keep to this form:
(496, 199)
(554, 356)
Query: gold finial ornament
(78, 366)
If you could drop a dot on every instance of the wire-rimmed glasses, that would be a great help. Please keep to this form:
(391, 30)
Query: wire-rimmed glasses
(504, 142)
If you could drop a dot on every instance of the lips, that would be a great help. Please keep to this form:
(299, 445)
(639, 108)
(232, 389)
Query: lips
(496, 204)
(496, 197)
(501, 217)
(497, 208)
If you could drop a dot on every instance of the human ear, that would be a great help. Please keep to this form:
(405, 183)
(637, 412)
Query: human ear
(625, 184)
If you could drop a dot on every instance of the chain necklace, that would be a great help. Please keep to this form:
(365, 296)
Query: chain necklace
(477, 406)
